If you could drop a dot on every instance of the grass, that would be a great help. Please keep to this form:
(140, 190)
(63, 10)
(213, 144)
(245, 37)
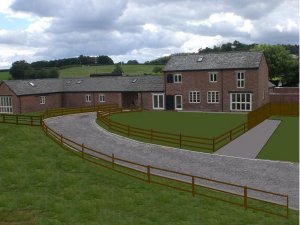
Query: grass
(204, 125)
(284, 143)
(4, 75)
(85, 71)
(43, 184)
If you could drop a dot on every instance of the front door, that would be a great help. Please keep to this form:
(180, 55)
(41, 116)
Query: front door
(170, 102)
(178, 102)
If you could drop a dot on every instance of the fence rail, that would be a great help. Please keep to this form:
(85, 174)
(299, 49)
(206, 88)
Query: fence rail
(195, 185)
(271, 109)
(20, 119)
(178, 140)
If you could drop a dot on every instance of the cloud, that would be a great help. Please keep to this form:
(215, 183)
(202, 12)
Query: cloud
(125, 29)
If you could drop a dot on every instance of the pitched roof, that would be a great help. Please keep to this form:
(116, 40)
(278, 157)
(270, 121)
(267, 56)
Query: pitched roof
(100, 84)
(213, 61)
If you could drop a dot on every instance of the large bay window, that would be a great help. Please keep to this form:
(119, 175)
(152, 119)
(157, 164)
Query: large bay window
(240, 101)
(158, 101)
(5, 104)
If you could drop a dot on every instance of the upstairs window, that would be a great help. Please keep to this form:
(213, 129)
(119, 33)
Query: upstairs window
(177, 78)
(212, 77)
(240, 79)
(174, 78)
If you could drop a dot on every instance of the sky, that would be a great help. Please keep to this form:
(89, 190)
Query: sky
(34, 30)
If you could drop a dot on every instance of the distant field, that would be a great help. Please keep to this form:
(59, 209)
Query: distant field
(4, 75)
(85, 71)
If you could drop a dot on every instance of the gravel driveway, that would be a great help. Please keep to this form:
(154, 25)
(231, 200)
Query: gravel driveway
(274, 176)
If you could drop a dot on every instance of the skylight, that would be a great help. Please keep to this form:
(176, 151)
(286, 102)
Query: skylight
(31, 84)
(200, 59)
(79, 82)
(134, 80)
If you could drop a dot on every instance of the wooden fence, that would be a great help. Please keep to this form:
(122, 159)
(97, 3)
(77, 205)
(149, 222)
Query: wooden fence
(243, 196)
(20, 119)
(178, 140)
(271, 109)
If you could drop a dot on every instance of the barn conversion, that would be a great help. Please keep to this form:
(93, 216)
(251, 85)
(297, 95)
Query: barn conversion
(220, 82)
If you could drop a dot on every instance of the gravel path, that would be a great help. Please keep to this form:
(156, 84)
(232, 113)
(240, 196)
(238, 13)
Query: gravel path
(279, 177)
(250, 143)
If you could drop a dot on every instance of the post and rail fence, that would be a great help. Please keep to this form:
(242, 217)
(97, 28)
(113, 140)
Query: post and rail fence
(197, 186)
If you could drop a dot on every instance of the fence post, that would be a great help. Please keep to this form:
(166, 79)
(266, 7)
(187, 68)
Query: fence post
(148, 174)
(193, 186)
(180, 140)
(109, 123)
(46, 130)
(151, 135)
(82, 150)
(4, 118)
(287, 206)
(230, 135)
(245, 197)
(113, 161)
(213, 144)
(244, 127)
(17, 119)
(61, 139)
(128, 130)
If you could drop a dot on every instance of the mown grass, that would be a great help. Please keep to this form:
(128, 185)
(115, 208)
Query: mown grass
(85, 71)
(284, 143)
(60, 188)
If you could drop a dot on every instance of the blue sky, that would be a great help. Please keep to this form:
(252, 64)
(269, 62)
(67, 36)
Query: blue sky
(34, 30)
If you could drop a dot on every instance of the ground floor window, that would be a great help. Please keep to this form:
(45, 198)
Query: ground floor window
(88, 98)
(158, 101)
(212, 97)
(240, 101)
(194, 97)
(5, 104)
(42, 100)
(101, 98)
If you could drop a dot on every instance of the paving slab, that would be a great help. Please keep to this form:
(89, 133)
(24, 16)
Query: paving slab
(250, 143)
(274, 176)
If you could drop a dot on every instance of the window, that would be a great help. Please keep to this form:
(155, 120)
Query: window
(101, 98)
(158, 101)
(212, 97)
(88, 98)
(177, 78)
(42, 100)
(212, 77)
(174, 78)
(240, 101)
(240, 79)
(194, 97)
(5, 104)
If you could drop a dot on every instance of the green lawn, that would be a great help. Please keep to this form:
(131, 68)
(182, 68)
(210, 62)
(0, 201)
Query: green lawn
(43, 184)
(4, 75)
(189, 123)
(85, 71)
(284, 143)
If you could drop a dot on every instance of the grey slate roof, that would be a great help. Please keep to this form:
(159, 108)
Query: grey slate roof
(213, 61)
(145, 83)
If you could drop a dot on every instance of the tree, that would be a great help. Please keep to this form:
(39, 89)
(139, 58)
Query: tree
(132, 62)
(118, 69)
(21, 70)
(280, 61)
(157, 69)
(104, 60)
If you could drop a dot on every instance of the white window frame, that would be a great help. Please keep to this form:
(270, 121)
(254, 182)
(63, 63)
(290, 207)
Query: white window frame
(101, 98)
(42, 100)
(212, 77)
(212, 97)
(6, 105)
(177, 78)
(239, 104)
(157, 95)
(88, 98)
(194, 97)
(175, 101)
(240, 79)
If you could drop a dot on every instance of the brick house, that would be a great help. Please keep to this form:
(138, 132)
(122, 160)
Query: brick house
(22, 96)
(231, 81)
